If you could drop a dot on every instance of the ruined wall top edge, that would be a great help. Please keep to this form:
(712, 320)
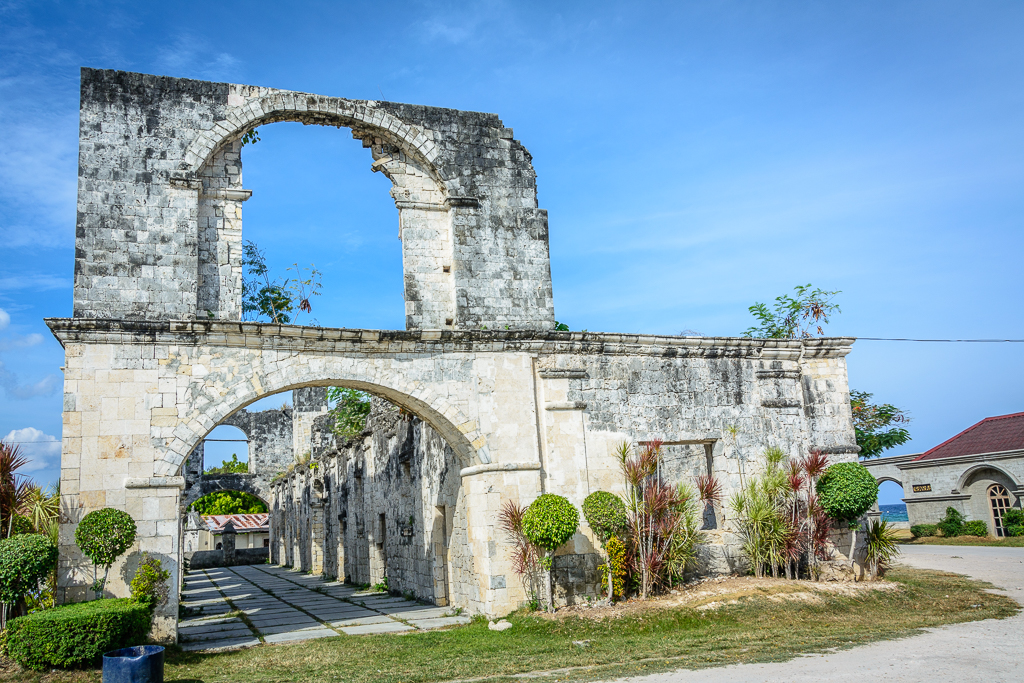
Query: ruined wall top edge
(145, 140)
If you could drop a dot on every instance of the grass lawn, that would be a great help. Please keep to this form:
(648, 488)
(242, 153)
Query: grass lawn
(756, 628)
(1011, 542)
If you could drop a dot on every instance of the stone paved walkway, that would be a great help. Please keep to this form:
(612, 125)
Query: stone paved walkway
(280, 605)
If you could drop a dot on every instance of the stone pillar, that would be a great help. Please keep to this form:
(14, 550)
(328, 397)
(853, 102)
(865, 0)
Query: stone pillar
(308, 404)
(227, 539)
(316, 540)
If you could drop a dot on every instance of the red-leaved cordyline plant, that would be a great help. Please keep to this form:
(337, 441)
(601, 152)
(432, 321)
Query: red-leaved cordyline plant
(818, 524)
(15, 495)
(525, 555)
(662, 518)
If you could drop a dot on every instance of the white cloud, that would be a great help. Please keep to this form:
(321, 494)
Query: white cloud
(5, 320)
(42, 450)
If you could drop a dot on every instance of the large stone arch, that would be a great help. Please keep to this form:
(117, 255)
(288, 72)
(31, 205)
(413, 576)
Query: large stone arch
(474, 242)
(243, 483)
(212, 402)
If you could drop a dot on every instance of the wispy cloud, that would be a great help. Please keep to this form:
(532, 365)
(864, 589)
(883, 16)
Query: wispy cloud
(22, 392)
(36, 281)
(41, 448)
(187, 55)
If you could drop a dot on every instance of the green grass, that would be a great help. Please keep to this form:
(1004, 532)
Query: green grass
(1012, 542)
(754, 630)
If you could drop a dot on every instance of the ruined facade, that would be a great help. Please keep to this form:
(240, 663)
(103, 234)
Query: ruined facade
(156, 357)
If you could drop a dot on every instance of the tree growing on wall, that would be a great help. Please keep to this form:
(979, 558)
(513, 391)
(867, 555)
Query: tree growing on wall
(794, 317)
(278, 300)
(232, 466)
(878, 427)
(349, 410)
(229, 503)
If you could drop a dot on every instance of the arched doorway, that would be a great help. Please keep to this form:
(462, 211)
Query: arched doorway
(890, 501)
(999, 502)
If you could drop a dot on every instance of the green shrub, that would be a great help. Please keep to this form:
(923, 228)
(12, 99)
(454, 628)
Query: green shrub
(1013, 522)
(975, 527)
(149, 586)
(920, 530)
(847, 490)
(24, 561)
(952, 524)
(606, 514)
(76, 635)
(103, 536)
(550, 521)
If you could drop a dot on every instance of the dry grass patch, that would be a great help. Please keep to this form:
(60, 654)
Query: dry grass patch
(757, 621)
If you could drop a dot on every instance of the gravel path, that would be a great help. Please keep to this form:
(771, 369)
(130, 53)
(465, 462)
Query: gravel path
(990, 651)
(281, 605)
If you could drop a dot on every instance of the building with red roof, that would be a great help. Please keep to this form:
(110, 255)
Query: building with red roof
(978, 472)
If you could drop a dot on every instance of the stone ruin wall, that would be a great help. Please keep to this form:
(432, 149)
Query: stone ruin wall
(327, 518)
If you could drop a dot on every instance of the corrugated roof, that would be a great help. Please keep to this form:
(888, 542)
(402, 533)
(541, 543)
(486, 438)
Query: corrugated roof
(242, 523)
(991, 435)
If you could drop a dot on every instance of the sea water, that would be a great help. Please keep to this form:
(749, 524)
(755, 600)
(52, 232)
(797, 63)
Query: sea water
(897, 512)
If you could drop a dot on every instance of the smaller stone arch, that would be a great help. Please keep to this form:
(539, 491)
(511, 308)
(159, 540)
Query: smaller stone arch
(885, 478)
(970, 472)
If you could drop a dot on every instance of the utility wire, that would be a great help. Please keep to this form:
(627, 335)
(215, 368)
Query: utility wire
(972, 341)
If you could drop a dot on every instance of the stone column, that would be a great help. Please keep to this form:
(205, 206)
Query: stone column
(227, 540)
(316, 540)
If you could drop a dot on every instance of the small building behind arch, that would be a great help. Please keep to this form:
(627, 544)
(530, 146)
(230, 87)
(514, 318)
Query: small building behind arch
(978, 472)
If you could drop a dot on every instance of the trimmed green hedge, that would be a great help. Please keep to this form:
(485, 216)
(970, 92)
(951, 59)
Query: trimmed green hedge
(920, 530)
(76, 635)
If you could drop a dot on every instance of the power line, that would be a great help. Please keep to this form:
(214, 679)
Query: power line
(968, 341)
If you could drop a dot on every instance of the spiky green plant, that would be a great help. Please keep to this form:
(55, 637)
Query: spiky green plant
(883, 547)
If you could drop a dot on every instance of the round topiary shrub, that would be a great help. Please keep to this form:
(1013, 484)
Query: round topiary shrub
(24, 561)
(606, 514)
(847, 490)
(549, 523)
(103, 536)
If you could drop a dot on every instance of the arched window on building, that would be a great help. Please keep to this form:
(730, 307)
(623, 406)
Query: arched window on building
(999, 503)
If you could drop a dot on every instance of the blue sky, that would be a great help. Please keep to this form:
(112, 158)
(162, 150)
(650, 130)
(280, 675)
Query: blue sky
(694, 157)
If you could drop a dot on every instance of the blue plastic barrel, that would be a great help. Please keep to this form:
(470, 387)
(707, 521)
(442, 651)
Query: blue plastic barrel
(140, 664)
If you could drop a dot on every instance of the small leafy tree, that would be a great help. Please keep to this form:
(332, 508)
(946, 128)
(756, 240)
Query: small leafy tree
(103, 536)
(793, 317)
(25, 560)
(877, 426)
(349, 410)
(606, 515)
(279, 300)
(232, 466)
(549, 523)
(846, 491)
(150, 583)
(229, 503)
